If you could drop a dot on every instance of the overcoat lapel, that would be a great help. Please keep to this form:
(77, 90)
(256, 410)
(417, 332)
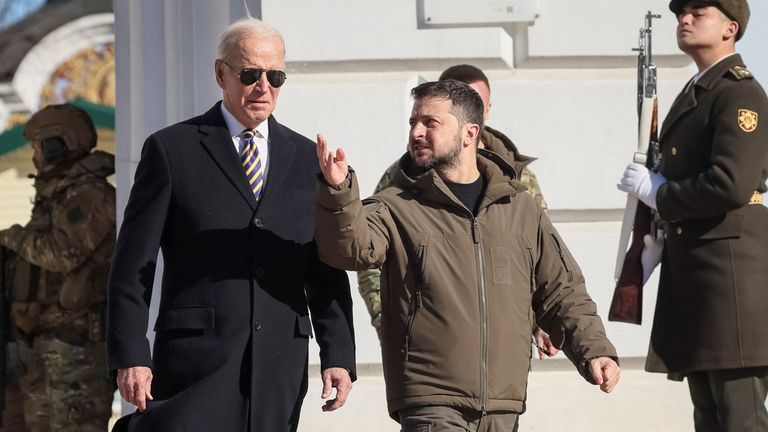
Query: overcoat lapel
(281, 152)
(684, 102)
(217, 142)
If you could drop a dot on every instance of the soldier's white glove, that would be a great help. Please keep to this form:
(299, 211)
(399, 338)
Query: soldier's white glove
(651, 255)
(640, 182)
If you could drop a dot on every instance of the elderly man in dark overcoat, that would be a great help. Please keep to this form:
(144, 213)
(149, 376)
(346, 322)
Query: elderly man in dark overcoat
(228, 198)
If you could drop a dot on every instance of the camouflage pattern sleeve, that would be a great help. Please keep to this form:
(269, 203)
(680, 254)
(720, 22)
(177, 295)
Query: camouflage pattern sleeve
(79, 222)
(369, 281)
(528, 178)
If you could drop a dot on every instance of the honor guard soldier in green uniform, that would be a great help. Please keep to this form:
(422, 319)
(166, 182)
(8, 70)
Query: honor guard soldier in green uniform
(368, 281)
(55, 282)
(710, 324)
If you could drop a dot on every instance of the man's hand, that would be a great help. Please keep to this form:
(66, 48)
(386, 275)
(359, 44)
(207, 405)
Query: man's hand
(544, 344)
(605, 371)
(334, 169)
(135, 384)
(640, 182)
(338, 378)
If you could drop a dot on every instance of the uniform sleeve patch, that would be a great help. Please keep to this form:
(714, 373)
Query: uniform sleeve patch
(747, 120)
(74, 215)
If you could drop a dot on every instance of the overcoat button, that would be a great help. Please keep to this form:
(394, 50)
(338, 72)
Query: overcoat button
(257, 222)
(257, 325)
(679, 231)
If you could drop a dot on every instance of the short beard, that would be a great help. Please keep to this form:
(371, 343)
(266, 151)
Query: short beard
(447, 161)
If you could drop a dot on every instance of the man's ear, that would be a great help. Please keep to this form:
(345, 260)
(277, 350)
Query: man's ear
(471, 134)
(731, 31)
(218, 70)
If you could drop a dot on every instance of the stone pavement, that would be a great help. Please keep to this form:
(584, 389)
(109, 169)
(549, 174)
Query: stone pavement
(558, 400)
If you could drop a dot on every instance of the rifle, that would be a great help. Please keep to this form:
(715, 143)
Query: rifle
(627, 303)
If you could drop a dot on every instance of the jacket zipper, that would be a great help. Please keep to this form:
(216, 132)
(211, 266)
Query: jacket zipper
(531, 267)
(414, 309)
(483, 317)
(563, 258)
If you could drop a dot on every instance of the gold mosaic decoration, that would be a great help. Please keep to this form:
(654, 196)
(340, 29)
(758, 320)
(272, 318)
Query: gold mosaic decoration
(89, 74)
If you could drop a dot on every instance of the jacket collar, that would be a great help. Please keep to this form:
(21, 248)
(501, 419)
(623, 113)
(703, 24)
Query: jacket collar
(498, 173)
(98, 164)
(687, 100)
(500, 144)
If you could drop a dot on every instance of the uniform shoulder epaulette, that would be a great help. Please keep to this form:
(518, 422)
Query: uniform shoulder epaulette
(740, 72)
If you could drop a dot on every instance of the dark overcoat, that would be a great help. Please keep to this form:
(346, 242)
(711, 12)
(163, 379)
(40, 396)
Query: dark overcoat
(711, 311)
(240, 280)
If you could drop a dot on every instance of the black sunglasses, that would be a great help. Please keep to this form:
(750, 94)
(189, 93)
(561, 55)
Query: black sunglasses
(248, 76)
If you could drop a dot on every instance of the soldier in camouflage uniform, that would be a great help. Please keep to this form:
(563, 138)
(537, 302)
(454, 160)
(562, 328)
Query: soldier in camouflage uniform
(368, 281)
(56, 282)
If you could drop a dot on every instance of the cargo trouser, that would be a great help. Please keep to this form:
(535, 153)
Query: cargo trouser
(63, 387)
(447, 419)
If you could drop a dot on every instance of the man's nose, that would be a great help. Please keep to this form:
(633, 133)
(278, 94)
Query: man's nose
(262, 83)
(417, 130)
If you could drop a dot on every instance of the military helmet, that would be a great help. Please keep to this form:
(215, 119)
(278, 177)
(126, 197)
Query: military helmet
(737, 10)
(70, 123)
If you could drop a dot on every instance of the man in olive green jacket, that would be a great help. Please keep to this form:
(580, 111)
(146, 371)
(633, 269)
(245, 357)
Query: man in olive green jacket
(368, 281)
(465, 256)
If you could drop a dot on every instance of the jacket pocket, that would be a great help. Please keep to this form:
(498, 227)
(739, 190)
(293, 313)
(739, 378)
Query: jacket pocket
(413, 311)
(303, 326)
(563, 257)
(186, 317)
(709, 229)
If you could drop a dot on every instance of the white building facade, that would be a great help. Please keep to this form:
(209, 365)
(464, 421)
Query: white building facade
(562, 75)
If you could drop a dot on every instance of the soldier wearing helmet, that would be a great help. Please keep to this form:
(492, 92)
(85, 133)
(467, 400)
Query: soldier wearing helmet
(55, 281)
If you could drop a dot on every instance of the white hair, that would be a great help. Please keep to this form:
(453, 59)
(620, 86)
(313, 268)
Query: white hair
(244, 28)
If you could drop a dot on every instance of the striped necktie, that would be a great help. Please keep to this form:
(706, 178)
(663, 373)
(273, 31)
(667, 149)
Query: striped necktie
(252, 163)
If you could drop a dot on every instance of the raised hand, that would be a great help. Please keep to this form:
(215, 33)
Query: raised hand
(334, 168)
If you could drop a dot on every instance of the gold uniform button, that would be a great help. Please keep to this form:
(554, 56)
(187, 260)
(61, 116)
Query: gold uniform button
(674, 151)
(679, 231)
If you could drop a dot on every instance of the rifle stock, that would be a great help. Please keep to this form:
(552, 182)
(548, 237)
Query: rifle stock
(627, 302)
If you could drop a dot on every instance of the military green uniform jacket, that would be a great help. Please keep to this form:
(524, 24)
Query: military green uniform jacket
(712, 306)
(458, 289)
(70, 237)
(368, 281)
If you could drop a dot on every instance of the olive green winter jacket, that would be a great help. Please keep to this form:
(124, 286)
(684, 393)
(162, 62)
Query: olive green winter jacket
(457, 289)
